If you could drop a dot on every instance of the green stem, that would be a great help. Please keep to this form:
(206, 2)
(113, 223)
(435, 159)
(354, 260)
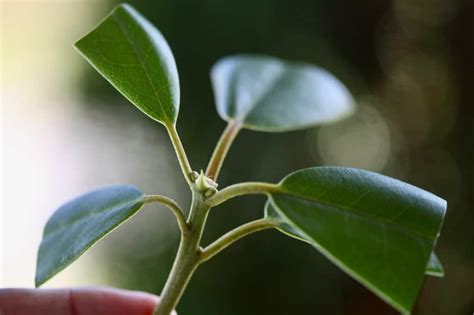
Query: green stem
(242, 189)
(180, 153)
(173, 206)
(183, 268)
(234, 235)
(187, 259)
(190, 254)
(222, 147)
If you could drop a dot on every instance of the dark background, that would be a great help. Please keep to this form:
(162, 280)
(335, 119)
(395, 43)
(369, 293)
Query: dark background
(409, 64)
(409, 61)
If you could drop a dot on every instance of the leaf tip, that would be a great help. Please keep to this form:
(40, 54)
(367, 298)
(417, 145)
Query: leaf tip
(76, 46)
(120, 6)
(38, 281)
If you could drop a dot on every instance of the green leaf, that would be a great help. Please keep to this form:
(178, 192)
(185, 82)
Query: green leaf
(284, 227)
(136, 59)
(80, 223)
(434, 267)
(269, 94)
(379, 230)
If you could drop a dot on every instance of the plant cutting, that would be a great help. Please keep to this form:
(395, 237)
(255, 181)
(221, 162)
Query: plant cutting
(379, 230)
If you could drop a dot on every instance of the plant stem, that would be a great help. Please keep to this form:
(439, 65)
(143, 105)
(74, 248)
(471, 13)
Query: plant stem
(184, 266)
(242, 189)
(187, 259)
(173, 206)
(180, 153)
(234, 235)
(190, 254)
(222, 147)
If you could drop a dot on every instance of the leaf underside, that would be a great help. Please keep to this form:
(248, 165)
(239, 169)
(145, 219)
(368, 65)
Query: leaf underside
(268, 94)
(135, 58)
(434, 267)
(379, 230)
(80, 223)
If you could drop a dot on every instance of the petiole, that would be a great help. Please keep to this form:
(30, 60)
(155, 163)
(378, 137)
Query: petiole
(240, 189)
(234, 235)
(173, 206)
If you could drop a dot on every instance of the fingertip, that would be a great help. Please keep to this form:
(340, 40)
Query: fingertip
(77, 301)
(112, 301)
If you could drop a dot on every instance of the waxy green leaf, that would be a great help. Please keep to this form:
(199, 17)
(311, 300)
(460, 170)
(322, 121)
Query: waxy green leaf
(80, 223)
(434, 267)
(268, 94)
(379, 230)
(136, 59)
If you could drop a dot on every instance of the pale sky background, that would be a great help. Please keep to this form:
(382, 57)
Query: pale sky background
(52, 149)
(38, 66)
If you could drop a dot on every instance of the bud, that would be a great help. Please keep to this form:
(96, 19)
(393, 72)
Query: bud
(205, 184)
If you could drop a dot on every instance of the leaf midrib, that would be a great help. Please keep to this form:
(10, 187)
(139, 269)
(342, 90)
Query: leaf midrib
(126, 32)
(359, 212)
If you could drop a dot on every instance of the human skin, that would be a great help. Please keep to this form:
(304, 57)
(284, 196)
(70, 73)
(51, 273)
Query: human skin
(76, 301)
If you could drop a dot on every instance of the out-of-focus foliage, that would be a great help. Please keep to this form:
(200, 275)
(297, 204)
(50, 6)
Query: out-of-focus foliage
(409, 65)
(268, 94)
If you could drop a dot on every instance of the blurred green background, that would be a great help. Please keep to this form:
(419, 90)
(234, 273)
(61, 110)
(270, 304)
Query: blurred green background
(65, 130)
